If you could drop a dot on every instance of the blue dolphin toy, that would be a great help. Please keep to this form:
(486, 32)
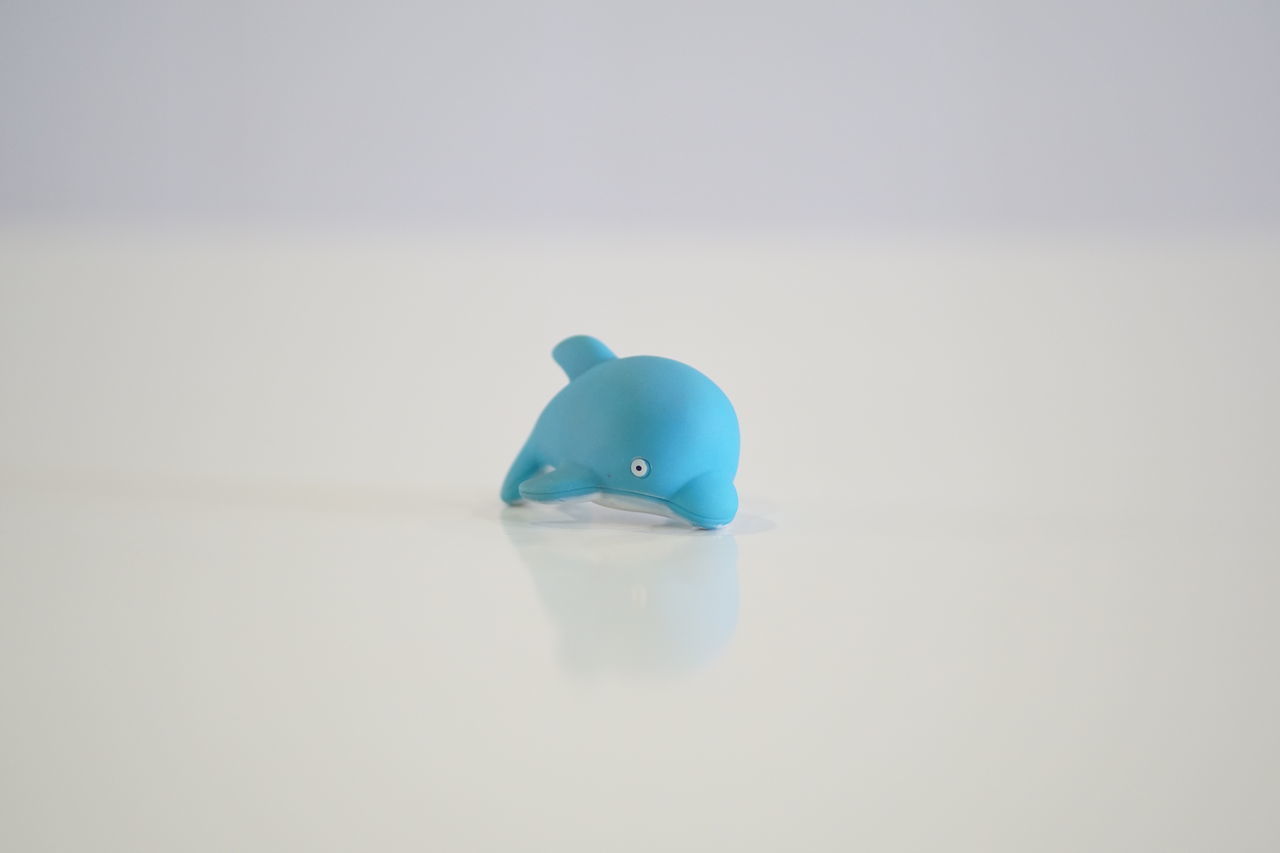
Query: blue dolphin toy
(640, 433)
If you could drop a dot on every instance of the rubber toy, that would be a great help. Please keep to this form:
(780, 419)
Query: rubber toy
(640, 433)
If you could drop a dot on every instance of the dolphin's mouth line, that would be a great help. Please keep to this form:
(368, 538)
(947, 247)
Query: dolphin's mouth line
(677, 509)
(588, 491)
(645, 495)
(584, 493)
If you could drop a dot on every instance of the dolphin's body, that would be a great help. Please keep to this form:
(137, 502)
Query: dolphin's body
(642, 433)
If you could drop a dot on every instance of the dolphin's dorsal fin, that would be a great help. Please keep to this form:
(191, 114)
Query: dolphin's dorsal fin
(579, 354)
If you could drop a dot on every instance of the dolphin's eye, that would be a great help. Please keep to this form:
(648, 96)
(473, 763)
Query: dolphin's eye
(640, 467)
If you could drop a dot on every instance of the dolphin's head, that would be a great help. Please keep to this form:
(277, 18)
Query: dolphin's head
(670, 441)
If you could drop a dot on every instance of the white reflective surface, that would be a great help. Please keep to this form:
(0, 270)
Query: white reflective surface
(1005, 576)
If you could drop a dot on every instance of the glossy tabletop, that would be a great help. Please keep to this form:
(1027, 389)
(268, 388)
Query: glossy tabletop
(1005, 575)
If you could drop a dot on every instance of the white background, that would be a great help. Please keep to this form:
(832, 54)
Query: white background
(992, 286)
(572, 114)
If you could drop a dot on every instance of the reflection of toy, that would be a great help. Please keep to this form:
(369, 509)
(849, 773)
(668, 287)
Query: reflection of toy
(641, 433)
(626, 600)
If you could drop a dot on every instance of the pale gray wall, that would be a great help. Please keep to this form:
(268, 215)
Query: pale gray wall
(669, 114)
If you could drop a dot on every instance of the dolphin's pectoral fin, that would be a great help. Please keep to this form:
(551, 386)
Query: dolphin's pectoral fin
(565, 482)
(526, 465)
(706, 501)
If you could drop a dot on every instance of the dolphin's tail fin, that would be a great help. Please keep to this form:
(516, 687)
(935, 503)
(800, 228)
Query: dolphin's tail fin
(579, 354)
